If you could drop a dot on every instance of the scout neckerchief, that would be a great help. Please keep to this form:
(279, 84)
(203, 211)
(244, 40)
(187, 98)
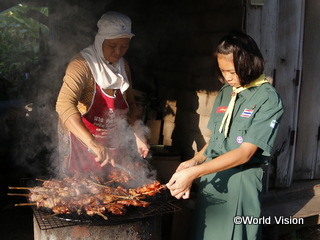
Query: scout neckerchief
(227, 116)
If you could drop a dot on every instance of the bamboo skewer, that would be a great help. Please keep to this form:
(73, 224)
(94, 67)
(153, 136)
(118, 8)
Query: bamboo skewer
(27, 195)
(41, 180)
(102, 215)
(25, 204)
(98, 184)
(110, 181)
(52, 215)
(21, 188)
(118, 196)
(18, 194)
(123, 197)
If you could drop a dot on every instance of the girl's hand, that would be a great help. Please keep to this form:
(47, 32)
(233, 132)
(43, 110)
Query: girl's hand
(181, 182)
(187, 164)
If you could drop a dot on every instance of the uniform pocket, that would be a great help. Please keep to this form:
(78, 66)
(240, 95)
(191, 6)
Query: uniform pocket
(238, 132)
(215, 129)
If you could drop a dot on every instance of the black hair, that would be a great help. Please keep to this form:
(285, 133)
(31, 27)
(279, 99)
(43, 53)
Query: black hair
(247, 58)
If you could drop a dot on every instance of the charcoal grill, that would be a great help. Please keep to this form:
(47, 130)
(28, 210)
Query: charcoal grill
(46, 221)
(144, 223)
(138, 224)
(160, 205)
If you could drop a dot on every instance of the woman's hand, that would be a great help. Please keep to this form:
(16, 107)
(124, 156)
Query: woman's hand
(75, 125)
(143, 147)
(181, 182)
(140, 133)
(103, 154)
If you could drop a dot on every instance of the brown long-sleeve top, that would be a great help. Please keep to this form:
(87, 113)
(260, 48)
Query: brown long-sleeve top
(77, 91)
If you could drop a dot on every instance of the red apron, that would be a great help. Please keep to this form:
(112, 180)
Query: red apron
(100, 120)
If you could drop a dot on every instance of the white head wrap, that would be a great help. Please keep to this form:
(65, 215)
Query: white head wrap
(112, 25)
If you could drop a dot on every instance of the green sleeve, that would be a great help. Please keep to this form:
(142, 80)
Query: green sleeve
(265, 124)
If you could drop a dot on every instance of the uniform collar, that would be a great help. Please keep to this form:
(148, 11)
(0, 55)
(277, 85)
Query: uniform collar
(247, 94)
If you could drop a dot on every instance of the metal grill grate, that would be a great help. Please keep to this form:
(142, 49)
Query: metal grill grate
(47, 221)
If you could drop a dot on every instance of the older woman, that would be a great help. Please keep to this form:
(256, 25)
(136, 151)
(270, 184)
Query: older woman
(95, 96)
(244, 123)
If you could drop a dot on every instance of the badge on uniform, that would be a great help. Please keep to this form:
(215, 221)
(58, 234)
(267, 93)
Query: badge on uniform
(222, 109)
(247, 113)
(239, 139)
(273, 123)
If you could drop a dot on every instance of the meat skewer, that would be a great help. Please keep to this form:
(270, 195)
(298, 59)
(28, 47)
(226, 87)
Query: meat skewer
(134, 202)
(147, 189)
(152, 192)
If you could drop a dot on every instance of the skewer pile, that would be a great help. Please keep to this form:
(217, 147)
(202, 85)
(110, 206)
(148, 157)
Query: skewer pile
(119, 176)
(84, 196)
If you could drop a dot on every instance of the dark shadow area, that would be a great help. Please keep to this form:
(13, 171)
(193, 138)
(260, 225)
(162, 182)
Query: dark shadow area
(187, 132)
(16, 222)
(24, 153)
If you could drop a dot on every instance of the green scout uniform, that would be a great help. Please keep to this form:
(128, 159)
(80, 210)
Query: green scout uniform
(237, 191)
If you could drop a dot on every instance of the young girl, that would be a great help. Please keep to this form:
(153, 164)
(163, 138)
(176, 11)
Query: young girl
(244, 123)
